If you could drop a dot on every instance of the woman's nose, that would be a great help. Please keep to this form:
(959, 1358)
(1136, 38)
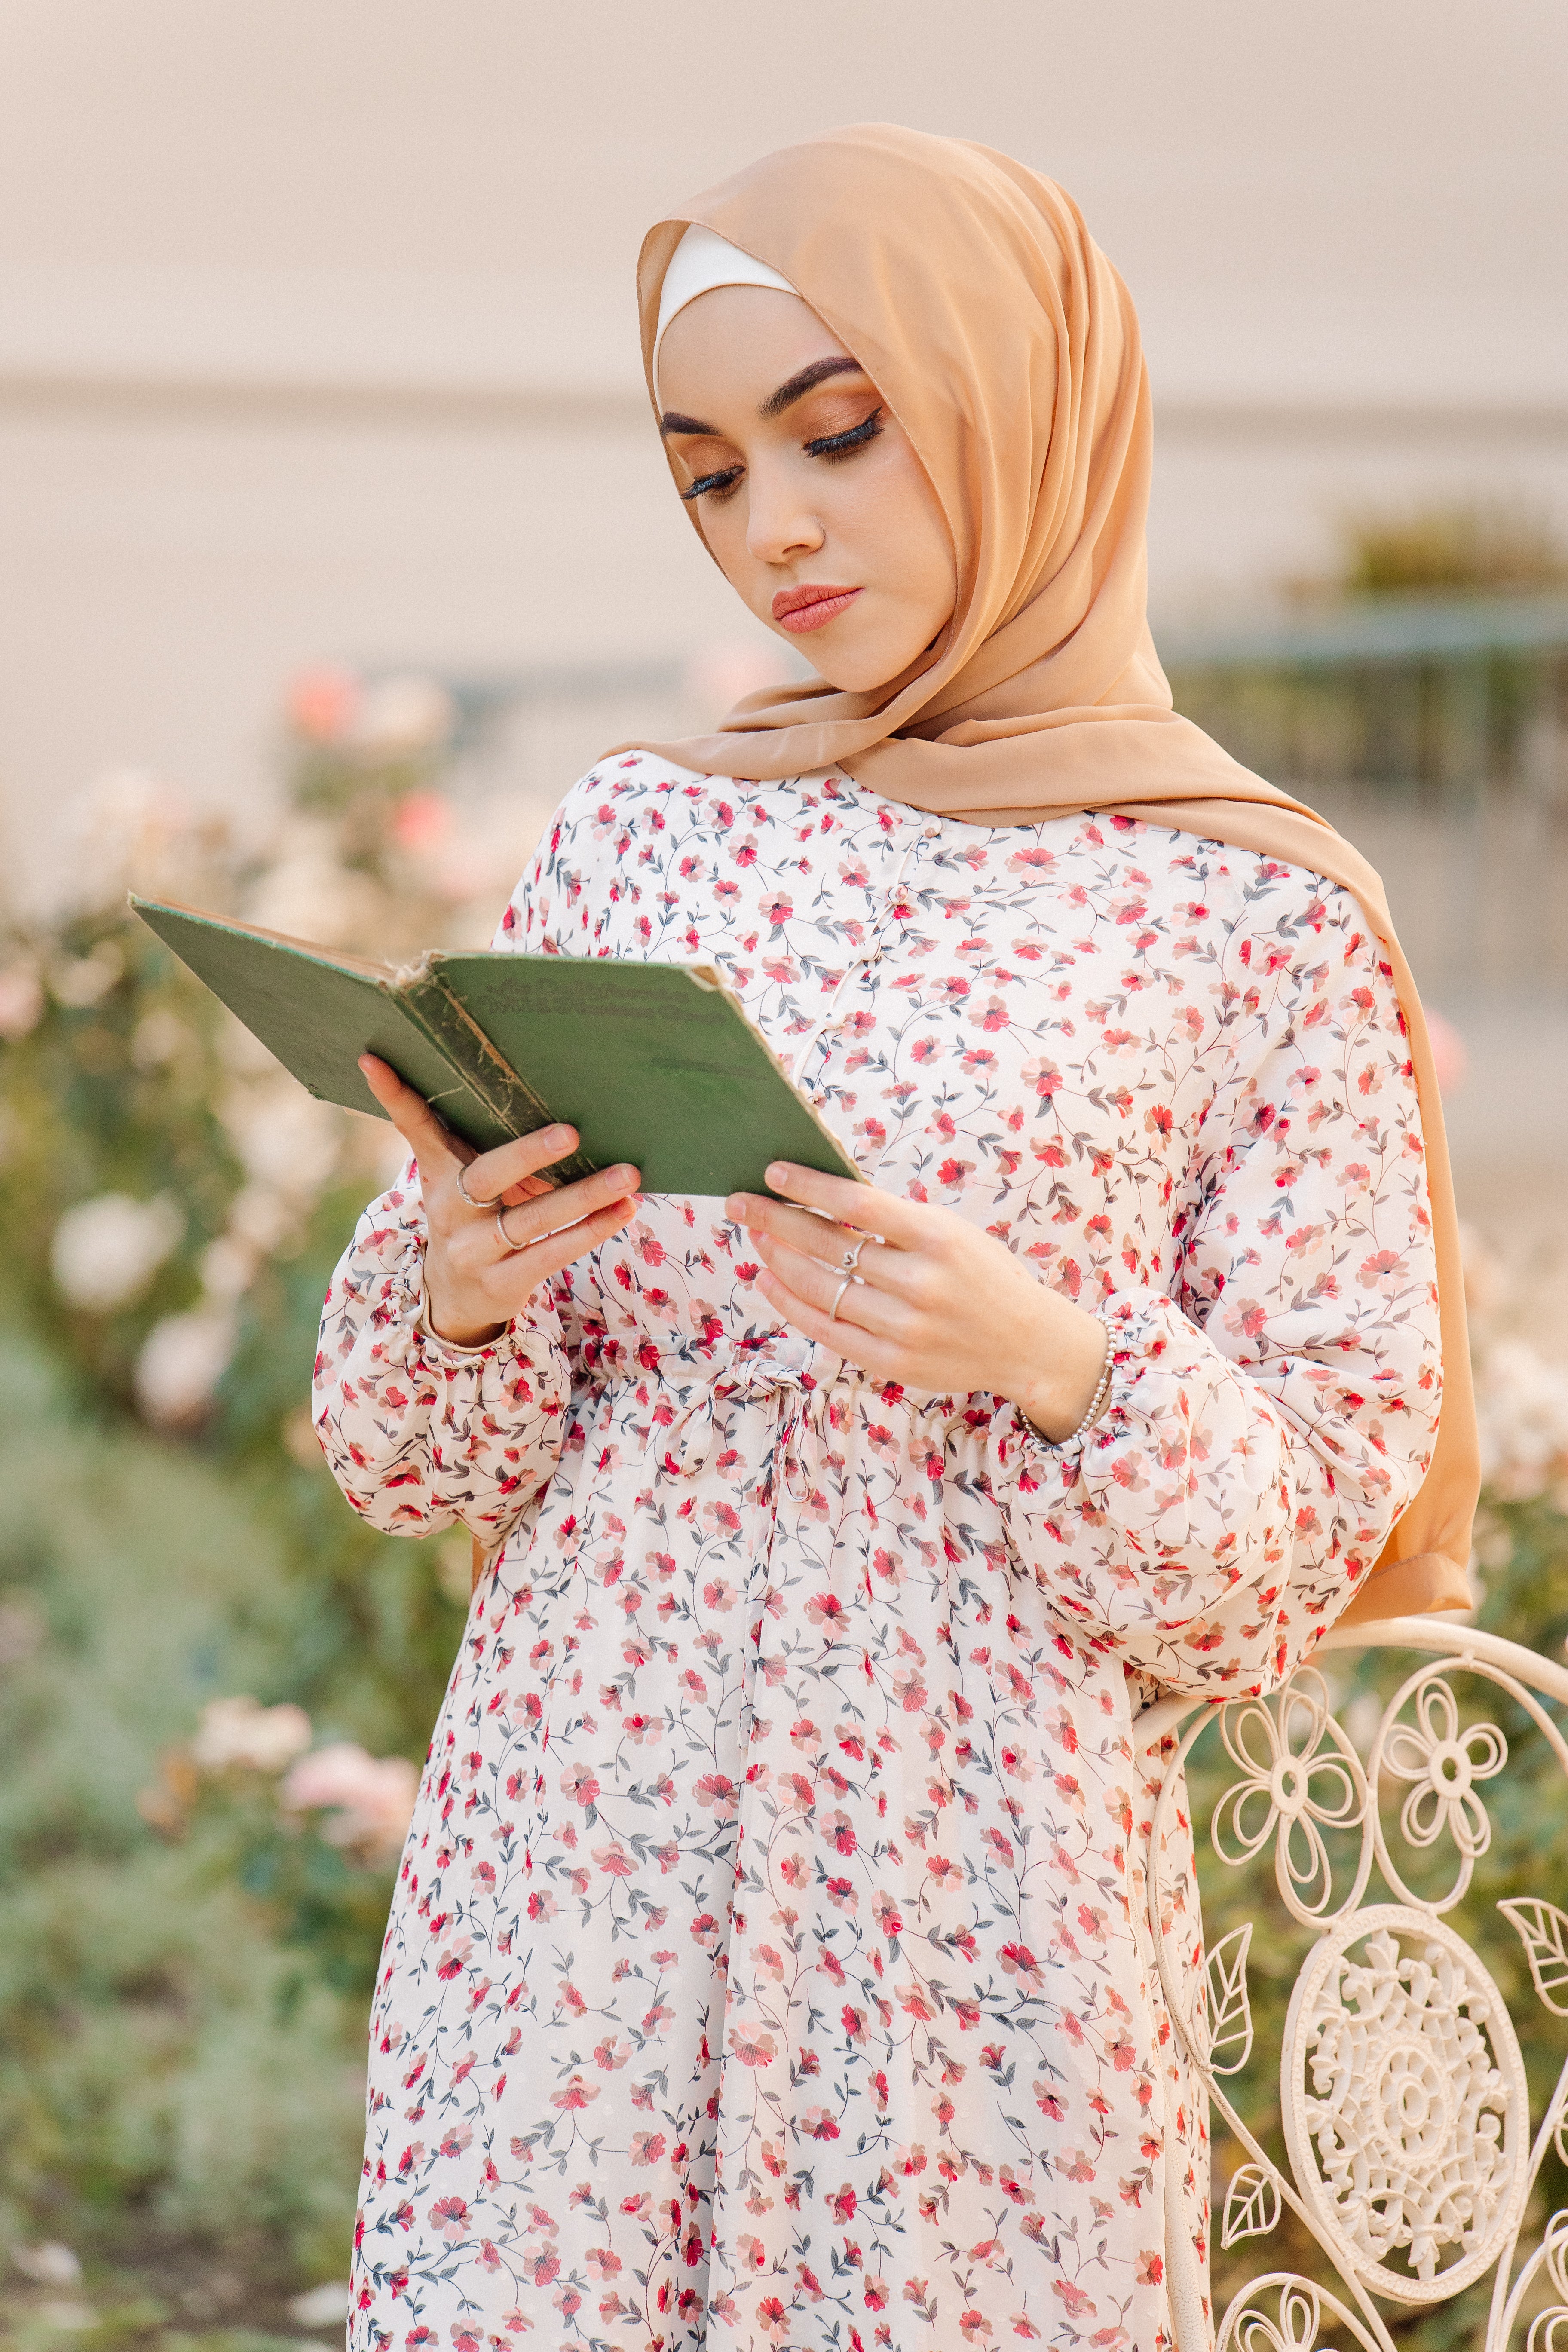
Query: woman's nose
(779, 520)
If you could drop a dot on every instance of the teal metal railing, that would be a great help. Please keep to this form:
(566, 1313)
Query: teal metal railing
(1444, 693)
(1435, 734)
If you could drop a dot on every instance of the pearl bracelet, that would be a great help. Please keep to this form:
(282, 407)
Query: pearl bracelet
(1097, 1402)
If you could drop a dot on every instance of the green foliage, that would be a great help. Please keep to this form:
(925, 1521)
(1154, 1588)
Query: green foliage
(113, 1093)
(179, 2029)
(1466, 550)
(185, 1966)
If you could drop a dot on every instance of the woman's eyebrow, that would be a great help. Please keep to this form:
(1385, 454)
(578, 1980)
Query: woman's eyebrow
(805, 380)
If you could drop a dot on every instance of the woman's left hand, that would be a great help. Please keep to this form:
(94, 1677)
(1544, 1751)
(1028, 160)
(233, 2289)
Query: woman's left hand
(931, 1302)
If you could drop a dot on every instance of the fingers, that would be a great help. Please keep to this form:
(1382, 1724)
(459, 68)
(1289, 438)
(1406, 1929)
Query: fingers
(881, 1358)
(507, 1173)
(510, 1281)
(806, 1278)
(472, 1249)
(511, 1166)
(477, 1284)
(430, 1142)
(774, 1223)
(566, 1206)
(862, 1205)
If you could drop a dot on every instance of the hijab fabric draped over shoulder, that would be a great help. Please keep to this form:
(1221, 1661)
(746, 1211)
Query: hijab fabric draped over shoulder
(970, 289)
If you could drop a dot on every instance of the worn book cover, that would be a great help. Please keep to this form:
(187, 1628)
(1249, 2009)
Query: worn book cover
(653, 1063)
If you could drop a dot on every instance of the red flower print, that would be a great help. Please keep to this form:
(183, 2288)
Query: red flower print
(1075, 2302)
(574, 2093)
(587, 1915)
(450, 2216)
(753, 2046)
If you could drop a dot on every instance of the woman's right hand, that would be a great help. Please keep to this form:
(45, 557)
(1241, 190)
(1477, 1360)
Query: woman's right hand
(474, 1282)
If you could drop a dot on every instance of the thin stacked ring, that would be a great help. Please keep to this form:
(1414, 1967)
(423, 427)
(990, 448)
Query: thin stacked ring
(847, 1265)
(507, 1243)
(468, 1196)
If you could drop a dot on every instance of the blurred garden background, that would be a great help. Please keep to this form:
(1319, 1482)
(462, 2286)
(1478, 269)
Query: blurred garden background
(333, 545)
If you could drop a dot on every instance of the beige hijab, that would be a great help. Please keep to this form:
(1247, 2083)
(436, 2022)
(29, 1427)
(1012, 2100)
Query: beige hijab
(1008, 349)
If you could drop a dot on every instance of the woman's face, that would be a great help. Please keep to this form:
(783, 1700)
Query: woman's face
(818, 512)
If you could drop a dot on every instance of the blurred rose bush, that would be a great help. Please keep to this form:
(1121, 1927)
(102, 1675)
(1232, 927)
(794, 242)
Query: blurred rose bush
(194, 1881)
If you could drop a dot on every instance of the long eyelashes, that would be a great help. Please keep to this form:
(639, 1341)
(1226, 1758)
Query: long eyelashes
(708, 484)
(839, 444)
(831, 447)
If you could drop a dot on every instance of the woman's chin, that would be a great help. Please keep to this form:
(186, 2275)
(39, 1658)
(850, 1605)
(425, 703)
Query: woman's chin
(854, 669)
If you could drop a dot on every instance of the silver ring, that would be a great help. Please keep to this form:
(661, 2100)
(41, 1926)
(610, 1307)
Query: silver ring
(851, 1257)
(511, 1247)
(839, 1298)
(468, 1196)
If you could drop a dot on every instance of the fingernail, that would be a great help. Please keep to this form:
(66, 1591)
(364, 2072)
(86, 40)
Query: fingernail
(623, 1178)
(779, 1172)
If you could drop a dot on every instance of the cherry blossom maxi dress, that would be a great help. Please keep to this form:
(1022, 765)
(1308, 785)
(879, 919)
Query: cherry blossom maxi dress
(766, 1967)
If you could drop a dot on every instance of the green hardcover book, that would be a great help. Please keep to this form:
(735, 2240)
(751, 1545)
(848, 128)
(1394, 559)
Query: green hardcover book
(652, 1062)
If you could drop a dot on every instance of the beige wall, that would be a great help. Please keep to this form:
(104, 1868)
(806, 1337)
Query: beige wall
(316, 333)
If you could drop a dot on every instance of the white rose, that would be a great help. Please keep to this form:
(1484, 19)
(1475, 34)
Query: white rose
(284, 1137)
(21, 999)
(371, 1797)
(183, 1358)
(106, 1251)
(242, 1731)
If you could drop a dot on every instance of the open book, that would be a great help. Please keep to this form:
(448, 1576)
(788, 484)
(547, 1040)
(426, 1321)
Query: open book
(652, 1062)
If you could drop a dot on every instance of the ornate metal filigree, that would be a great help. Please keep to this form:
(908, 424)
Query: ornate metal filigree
(1543, 1930)
(1405, 2110)
(1300, 1775)
(1222, 2015)
(1441, 1764)
(1296, 2320)
(1404, 2097)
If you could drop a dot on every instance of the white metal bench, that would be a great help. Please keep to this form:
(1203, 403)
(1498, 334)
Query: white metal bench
(1409, 2154)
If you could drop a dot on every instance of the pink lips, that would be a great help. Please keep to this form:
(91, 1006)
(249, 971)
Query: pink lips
(810, 607)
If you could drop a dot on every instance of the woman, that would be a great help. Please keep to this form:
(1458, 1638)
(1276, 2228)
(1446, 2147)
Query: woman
(769, 1965)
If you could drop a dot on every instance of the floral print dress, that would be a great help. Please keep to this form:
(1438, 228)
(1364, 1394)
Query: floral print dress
(768, 1966)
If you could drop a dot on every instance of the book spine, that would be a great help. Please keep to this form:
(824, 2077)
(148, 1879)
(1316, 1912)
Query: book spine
(510, 1098)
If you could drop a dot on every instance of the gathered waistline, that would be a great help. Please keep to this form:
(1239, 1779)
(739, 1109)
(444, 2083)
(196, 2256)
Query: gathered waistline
(684, 1393)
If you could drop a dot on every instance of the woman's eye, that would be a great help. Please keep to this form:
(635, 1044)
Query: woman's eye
(709, 486)
(840, 445)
